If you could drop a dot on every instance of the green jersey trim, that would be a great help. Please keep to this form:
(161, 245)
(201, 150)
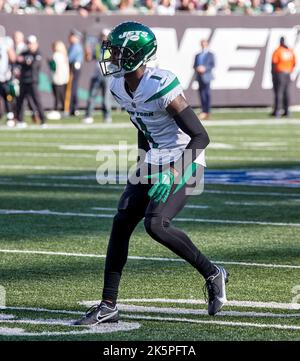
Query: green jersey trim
(164, 91)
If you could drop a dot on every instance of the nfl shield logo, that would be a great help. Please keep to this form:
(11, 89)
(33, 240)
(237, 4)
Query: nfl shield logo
(133, 104)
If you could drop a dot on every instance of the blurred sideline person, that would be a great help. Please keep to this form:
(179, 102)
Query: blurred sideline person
(98, 83)
(59, 66)
(75, 56)
(283, 64)
(20, 46)
(171, 143)
(30, 63)
(7, 56)
(203, 65)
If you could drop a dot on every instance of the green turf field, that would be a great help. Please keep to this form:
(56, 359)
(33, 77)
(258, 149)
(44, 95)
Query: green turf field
(55, 222)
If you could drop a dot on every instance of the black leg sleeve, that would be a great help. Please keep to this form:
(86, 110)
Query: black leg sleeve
(131, 210)
(158, 225)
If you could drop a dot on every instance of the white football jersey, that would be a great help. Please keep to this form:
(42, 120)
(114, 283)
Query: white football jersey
(147, 109)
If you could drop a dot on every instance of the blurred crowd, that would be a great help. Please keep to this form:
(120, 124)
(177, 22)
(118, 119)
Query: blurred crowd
(20, 66)
(159, 7)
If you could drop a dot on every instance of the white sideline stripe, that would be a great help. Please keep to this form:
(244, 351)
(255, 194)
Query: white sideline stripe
(192, 206)
(93, 156)
(191, 311)
(250, 304)
(71, 126)
(41, 322)
(47, 155)
(61, 185)
(210, 123)
(272, 194)
(42, 167)
(39, 309)
(227, 221)
(221, 323)
(105, 328)
(162, 259)
(253, 159)
(172, 319)
(46, 212)
(106, 147)
(58, 185)
(6, 317)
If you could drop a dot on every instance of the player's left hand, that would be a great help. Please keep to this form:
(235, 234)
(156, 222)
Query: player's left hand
(161, 189)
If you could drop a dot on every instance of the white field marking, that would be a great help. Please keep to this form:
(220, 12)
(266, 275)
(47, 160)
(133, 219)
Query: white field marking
(191, 311)
(220, 323)
(71, 126)
(104, 328)
(47, 212)
(54, 322)
(210, 123)
(221, 146)
(214, 123)
(272, 194)
(250, 304)
(216, 191)
(263, 144)
(73, 177)
(38, 309)
(42, 167)
(228, 221)
(91, 147)
(62, 185)
(141, 258)
(95, 148)
(8, 331)
(47, 155)
(191, 206)
(135, 326)
(106, 147)
(104, 209)
(99, 137)
(271, 204)
(253, 159)
(6, 317)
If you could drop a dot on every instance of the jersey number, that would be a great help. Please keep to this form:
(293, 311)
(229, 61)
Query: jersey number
(146, 132)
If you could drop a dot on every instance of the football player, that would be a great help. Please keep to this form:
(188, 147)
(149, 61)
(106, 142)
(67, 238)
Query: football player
(171, 140)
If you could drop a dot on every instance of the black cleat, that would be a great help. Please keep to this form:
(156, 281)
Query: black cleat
(215, 286)
(100, 313)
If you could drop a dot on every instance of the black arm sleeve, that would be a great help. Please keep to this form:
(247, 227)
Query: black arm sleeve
(189, 123)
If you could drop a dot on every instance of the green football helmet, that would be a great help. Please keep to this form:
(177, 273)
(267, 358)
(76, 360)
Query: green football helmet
(128, 46)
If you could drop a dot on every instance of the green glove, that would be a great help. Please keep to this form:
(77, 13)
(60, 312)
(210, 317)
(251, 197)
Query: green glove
(161, 189)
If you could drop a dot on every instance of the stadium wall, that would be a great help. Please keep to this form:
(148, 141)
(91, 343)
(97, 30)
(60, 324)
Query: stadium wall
(243, 46)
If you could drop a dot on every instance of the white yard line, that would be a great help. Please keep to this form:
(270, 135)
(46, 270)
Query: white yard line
(208, 123)
(191, 206)
(220, 323)
(47, 155)
(96, 147)
(143, 258)
(191, 311)
(62, 185)
(120, 187)
(249, 193)
(48, 167)
(47, 212)
(134, 326)
(71, 127)
(250, 304)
